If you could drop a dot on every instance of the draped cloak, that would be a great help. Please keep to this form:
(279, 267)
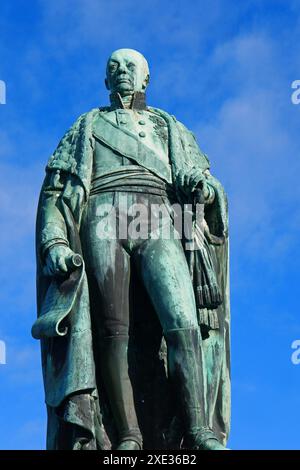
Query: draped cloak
(79, 416)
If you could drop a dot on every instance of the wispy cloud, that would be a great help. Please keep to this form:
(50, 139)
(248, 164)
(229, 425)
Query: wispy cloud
(252, 147)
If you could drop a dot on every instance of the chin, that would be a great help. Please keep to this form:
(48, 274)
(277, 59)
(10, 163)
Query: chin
(124, 88)
(125, 92)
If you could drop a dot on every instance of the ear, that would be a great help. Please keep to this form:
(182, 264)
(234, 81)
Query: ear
(106, 84)
(146, 81)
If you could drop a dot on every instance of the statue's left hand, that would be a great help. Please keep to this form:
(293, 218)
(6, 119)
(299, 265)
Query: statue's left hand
(191, 179)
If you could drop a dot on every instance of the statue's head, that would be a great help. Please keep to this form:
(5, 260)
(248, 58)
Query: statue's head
(127, 71)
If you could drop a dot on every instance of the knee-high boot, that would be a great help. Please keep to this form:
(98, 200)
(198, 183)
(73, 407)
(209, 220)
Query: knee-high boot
(114, 370)
(186, 374)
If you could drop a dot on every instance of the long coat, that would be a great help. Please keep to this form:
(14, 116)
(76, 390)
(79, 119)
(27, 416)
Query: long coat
(78, 413)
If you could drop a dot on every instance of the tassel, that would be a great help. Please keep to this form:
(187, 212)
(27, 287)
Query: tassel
(213, 319)
(203, 317)
(208, 320)
(215, 295)
(200, 297)
(206, 295)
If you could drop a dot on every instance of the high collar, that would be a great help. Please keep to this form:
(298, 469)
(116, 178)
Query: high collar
(138, 101)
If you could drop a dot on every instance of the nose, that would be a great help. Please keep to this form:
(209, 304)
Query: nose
(122, 68)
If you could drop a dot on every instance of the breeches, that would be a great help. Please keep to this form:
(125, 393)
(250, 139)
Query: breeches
(151, 244)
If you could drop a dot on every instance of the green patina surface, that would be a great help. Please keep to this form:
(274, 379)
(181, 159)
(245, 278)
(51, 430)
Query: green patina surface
(179, 332)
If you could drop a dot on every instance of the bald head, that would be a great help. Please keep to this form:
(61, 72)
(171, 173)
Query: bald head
(127, 71)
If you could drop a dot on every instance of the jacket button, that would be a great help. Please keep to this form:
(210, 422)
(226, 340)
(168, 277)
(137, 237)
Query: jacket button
(142, 134)
(123, 122)
(142, 123)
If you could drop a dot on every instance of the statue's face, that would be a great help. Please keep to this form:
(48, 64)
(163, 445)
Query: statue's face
(127, 72)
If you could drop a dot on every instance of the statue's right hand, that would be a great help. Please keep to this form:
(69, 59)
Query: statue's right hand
(57, 260)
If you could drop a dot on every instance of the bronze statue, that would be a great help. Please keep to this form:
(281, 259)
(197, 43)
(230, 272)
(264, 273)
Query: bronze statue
(134, 323)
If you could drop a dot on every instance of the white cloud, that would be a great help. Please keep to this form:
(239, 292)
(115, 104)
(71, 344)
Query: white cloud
(251, 147)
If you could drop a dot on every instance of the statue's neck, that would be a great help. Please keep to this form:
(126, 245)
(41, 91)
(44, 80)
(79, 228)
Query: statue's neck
(136, 101)
(127, 101)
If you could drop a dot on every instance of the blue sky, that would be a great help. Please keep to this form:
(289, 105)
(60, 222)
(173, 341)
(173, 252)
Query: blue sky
(225, 69)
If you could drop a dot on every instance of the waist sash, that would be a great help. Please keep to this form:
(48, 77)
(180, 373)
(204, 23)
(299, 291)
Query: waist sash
(132, 180)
